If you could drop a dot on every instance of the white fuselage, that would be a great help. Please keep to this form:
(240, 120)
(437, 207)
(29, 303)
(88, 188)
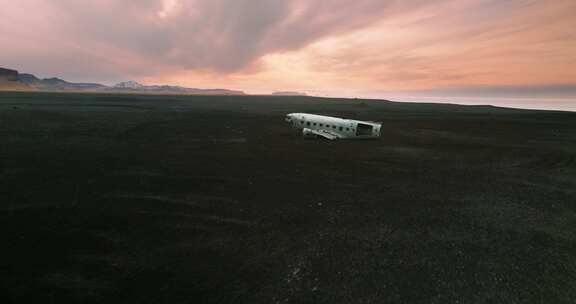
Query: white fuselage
(333, 127)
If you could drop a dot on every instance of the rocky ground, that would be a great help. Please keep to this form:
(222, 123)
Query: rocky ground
(166, 199)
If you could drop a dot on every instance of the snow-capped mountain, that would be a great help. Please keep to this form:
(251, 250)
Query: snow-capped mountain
(129, 85)
(15, 81)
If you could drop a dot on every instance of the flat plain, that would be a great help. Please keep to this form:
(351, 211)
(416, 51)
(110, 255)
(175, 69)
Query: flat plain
(206, 199)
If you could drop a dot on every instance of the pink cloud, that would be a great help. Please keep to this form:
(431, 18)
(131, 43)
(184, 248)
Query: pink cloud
(223, 35)
(245, 44)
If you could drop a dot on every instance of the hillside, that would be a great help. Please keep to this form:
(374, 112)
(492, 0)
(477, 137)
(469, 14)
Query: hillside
(9, 81)
(57, 84)
(12, 80)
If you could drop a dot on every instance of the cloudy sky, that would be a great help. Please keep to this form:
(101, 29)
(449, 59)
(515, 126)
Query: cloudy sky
(365, 47)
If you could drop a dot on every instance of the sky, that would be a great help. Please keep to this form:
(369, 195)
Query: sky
(494, 49)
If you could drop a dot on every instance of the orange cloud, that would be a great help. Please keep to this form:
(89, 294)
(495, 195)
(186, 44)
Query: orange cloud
(324, 45)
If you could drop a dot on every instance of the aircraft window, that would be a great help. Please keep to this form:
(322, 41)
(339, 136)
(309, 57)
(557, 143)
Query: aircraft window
(314, 123)
(321, 125)
(308, 123)
(340, 128)
(364, 129)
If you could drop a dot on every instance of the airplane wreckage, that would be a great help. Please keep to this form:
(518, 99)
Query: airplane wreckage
(331, 128)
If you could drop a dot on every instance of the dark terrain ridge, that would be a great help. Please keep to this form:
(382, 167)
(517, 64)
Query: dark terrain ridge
(167, 199)
(9, 80)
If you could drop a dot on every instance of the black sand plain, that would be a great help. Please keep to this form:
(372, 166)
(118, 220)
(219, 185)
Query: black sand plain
(175, 199)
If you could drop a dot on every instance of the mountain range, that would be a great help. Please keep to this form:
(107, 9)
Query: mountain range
(12, 80)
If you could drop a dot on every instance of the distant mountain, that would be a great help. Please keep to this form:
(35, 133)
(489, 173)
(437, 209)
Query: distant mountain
(129, 85)
(29, 79)
(57, 84)
(8, 74)
(133, 86)
(11, 80)
(289, 93)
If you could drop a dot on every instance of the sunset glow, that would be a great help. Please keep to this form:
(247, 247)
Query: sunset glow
(325, 47)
